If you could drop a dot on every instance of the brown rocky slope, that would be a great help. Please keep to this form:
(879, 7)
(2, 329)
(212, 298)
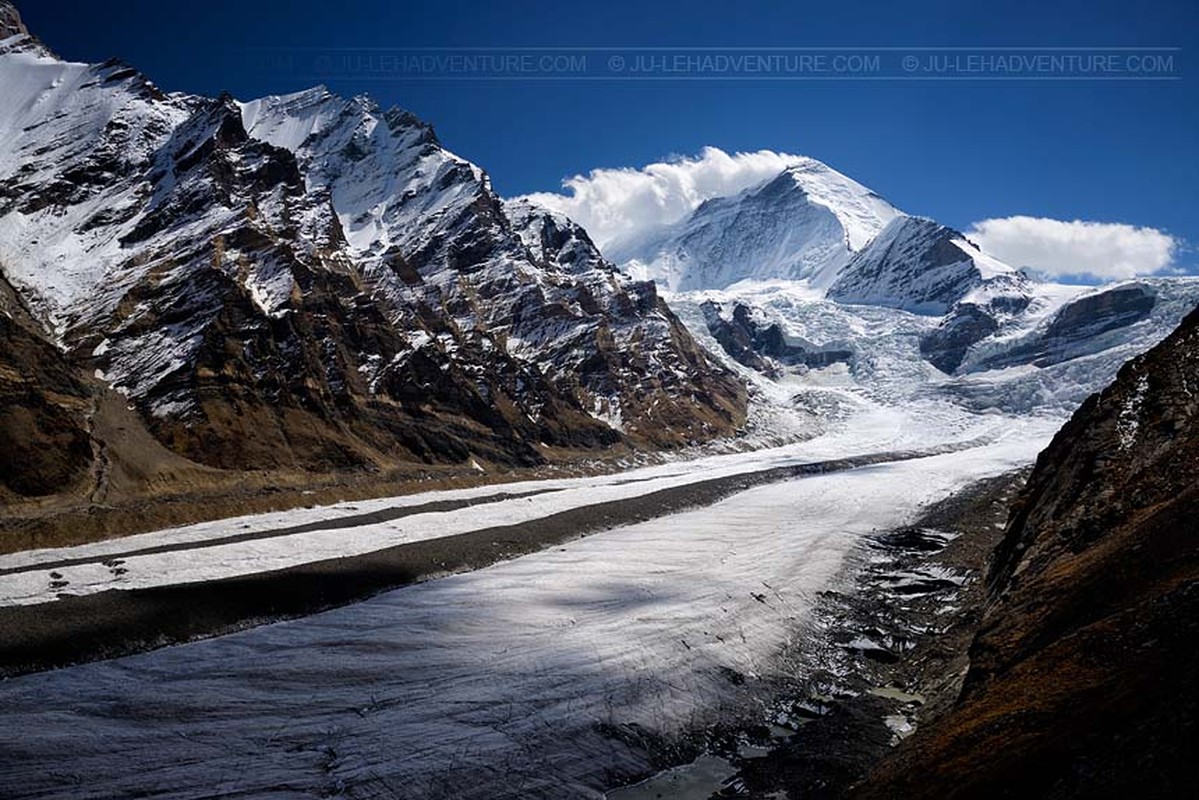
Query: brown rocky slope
(1081, 678)
(210, 328)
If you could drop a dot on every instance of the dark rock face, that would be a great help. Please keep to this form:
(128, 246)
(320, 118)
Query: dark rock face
(1099, 313)
(946, 347)
(736, 336)
(44, 407)
(968, 323)
(1078, 327)
(10, 21)
(914, 264)
(764, 346)
(1081, 681)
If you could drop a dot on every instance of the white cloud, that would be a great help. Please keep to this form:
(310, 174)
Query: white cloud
(617, 205)
(1102, 250)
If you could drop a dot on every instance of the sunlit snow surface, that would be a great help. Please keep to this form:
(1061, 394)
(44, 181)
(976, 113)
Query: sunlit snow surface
(804, 223)
(888, 369)
(488, 684)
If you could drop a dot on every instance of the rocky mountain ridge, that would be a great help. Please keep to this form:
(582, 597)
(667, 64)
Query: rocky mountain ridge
(917, 265)
(307, 282)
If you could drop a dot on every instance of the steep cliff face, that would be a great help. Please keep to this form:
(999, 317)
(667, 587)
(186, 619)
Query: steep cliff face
(1081, 681)
(920, 266)
(44, 405)
(10, 21)
(607, 340)
(1082, 326)
(760, 343)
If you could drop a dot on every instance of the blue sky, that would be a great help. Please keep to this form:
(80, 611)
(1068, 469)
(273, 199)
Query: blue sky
(958, 151)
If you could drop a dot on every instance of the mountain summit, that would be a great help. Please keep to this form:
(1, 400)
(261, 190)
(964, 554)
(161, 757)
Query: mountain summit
(805, 223)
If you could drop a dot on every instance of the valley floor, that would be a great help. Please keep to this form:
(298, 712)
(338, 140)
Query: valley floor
(545, 675)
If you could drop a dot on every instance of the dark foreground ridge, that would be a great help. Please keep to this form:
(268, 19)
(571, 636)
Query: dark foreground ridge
(1082, 675)
(114, 623)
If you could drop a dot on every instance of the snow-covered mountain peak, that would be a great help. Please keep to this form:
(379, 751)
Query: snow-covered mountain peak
(289, 120)
(553, 238)
(919, 265)
(804, 223)
(391, 183)
(300, 120)
(321, 265)
(77, 140)
(862, 212)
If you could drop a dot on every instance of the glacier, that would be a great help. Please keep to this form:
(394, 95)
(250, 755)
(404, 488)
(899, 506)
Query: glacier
(631, 632)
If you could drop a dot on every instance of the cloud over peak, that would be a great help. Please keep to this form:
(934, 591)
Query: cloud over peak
(1099, 250)
(619, 205)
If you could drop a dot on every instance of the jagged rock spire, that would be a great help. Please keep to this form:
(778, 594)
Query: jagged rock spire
(10, 21)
